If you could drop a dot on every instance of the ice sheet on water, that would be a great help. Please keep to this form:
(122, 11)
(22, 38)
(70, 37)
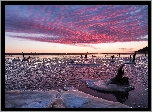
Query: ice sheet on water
(104, 86)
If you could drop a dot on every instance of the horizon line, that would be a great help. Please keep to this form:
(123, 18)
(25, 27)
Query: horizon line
(65, 53)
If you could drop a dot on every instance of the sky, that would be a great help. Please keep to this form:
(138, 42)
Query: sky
(75, 28)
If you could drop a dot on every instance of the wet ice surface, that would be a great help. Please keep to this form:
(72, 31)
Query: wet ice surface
(55, 73)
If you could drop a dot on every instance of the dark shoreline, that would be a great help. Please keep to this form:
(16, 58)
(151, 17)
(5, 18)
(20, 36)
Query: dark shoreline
(65, 53)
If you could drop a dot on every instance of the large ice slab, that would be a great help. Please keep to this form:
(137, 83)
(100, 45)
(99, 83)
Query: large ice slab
(70, 98)
(105, 86)
(78, 99)
(29, 99)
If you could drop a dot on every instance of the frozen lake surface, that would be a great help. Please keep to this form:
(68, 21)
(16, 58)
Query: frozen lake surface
(54, 72)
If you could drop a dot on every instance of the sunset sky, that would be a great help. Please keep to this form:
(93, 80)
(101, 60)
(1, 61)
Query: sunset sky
(75, 28)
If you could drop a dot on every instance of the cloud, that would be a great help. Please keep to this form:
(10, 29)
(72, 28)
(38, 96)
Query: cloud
(122, 49)
(125, 49)
(29, 35)
(74, 24)
(85, 45)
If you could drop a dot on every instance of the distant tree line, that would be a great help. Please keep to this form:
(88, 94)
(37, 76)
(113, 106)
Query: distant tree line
(143, 50)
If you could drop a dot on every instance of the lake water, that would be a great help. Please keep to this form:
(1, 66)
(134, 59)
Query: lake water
(45, 72)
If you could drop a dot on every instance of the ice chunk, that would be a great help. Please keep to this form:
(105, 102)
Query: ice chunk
(78, 99)
(103, 86)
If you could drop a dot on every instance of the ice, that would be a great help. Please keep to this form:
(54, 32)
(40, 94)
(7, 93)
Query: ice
(78, 99)
(103, 86)
(129, 62)
(69, 99)
(40, 104)
(29, 99)
(74, 101)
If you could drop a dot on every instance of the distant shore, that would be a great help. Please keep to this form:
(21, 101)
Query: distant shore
(65, 53)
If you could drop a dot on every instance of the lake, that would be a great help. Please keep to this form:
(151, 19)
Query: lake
(46, 72)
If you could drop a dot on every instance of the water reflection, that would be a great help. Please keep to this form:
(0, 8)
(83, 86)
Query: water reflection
(121, 96)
